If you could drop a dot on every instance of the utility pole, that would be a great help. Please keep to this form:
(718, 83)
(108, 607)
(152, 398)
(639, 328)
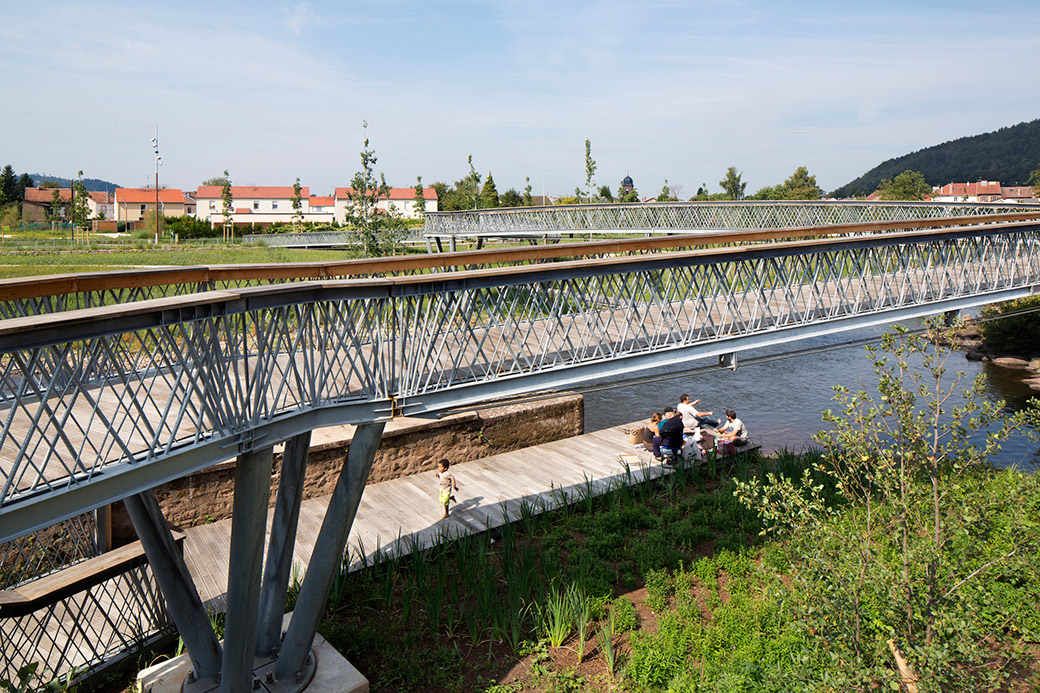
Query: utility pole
(158, 163)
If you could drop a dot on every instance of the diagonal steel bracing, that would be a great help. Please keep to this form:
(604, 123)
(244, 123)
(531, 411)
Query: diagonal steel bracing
(99, 404)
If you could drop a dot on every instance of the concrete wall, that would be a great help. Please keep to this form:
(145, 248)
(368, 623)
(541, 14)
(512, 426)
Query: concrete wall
(409, 446)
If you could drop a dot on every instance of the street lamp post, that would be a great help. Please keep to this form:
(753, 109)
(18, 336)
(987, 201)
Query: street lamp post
(158, 163)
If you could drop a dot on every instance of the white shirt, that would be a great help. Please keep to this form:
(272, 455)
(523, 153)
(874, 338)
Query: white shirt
(737, 426)
(689, 414)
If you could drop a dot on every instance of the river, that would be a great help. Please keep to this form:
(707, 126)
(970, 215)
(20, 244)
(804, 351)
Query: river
(781, 398)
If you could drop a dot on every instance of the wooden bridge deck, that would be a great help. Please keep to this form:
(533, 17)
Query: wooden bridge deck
(403, 513)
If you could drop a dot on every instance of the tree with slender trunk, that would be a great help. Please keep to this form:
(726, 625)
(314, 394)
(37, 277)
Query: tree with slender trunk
(227, 208)
(297, 205)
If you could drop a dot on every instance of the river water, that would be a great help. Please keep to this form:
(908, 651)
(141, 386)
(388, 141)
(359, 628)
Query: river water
(781, 397)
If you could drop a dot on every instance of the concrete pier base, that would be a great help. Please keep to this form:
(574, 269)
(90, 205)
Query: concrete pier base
(334, 674)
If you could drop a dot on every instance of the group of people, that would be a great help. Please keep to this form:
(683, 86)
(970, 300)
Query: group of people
(684, 425)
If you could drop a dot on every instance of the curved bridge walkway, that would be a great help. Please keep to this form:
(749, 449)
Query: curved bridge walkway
(112, 384)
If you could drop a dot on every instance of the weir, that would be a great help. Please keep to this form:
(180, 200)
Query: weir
(112, 384)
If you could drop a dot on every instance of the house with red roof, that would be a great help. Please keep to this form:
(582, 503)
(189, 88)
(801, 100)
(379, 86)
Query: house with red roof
(256, 205)
(401, 200)
(36, 205)
(981, 191)
(133, 204)
(1017, 193)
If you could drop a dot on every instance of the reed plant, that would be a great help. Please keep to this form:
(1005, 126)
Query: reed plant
(587, 493)
(582, 613)
(556, 616)
(605, 639)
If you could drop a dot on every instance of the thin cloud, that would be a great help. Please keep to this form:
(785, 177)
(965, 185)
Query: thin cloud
(300, 16)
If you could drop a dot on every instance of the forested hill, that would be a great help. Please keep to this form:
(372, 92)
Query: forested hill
(88, 183)
(1007, 155)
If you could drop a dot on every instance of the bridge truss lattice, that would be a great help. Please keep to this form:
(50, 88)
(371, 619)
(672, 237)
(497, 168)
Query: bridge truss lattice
(105, 403)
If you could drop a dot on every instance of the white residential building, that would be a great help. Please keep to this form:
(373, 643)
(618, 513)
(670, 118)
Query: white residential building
(401, 200)
(259, 205)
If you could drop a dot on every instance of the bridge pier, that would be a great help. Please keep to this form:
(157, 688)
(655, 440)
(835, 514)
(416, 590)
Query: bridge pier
(248, 523)
(280, 546)
(327, 556)
(174, 580)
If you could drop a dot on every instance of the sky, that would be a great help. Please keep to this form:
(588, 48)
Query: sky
(664, 90)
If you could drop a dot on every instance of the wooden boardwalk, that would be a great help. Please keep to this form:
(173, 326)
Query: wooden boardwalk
(400, 514)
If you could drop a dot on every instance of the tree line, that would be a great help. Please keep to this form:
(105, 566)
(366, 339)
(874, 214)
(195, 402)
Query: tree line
(1008, 155)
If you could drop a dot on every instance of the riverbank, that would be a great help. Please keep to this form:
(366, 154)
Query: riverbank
(668, 584)
(972, 341)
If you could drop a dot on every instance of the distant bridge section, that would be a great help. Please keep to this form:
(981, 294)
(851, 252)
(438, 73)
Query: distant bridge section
(648, 219)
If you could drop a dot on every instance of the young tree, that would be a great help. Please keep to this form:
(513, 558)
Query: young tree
(57, 206)
(227, 208)
(375, 230)
(80, 207)
(590, 167)
(732, 185)
(605, 193)
(419, 201)
(297, 205)
(898, 518)
(489, 193)
(469, 186)
(666, 193)
(908, 185)
(528, 197)
(218, 180)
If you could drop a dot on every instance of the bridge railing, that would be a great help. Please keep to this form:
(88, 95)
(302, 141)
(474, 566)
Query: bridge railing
(103, 402)
(69, 607)
(29, 296)
(100, 401)
(641, 217)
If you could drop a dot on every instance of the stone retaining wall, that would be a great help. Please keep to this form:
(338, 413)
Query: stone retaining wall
(407, 447)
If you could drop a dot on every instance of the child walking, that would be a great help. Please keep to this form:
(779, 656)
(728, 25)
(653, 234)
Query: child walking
(447, 484)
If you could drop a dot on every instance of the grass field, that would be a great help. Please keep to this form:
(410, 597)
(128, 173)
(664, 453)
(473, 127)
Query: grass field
(24, 263)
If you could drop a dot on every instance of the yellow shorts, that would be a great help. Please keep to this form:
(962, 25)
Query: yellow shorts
(445, 497)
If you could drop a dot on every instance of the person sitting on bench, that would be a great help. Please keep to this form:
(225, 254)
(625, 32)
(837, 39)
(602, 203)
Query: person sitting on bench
(671, 434)
(732, 434)
(692, 418)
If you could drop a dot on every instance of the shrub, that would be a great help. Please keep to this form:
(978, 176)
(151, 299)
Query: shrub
(657, 659)
(189, 227)
(1012, 334)
(656, 551)
(658, 588)
(625, 619)
(689, 533)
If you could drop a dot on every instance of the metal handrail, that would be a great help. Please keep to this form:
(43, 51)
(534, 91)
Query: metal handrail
(191, 277)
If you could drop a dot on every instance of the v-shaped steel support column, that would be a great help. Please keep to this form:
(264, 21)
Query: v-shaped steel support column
(174, 580)
(327, 556)
(280, 545)
(248, 523)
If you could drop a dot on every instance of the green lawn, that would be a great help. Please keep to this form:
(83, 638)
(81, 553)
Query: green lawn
(31, 263)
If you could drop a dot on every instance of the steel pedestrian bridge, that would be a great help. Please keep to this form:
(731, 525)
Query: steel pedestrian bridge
(114, 383)
(550, 224)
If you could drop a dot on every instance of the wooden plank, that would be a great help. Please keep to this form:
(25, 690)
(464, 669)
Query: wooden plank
(54, 587)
